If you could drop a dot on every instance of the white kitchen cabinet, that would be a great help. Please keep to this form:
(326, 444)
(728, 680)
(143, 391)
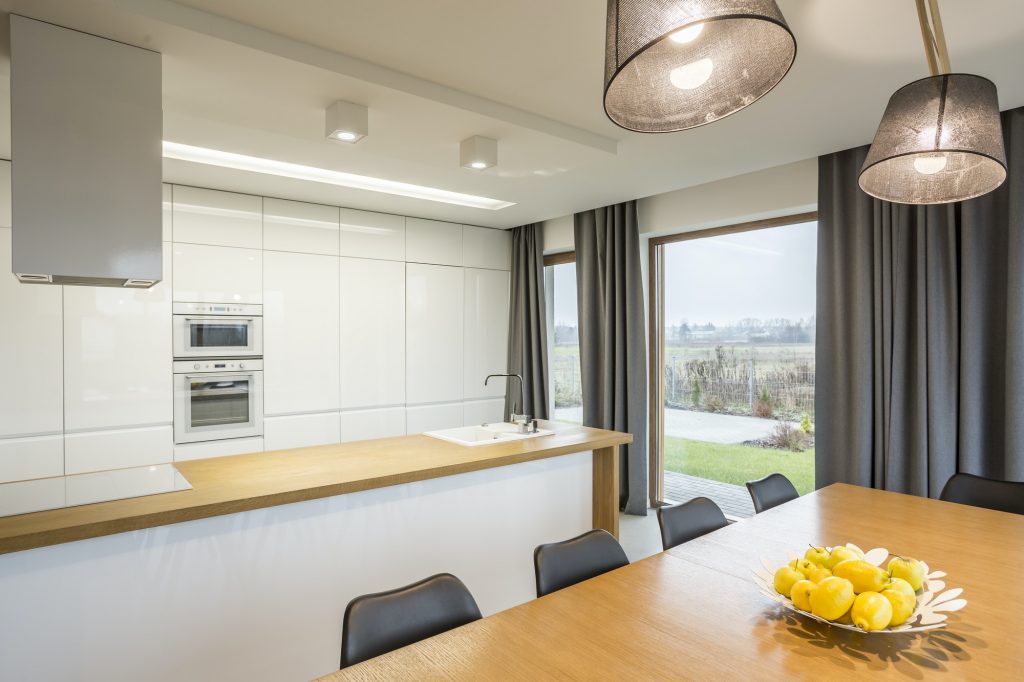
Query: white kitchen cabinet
(365, 234)
(206, 216)
(433, 417)
(217, 274)
(483, 247)
(117, 356)
(485, 344)
(118, 449)
(476, 412)
(31, 457)
(217, 448)
(300, 227)
(168, 213)
(433, 334)
(300, 333)
(372, 333)
(31, 400)
(372, 424)
(300, 430)
(432, 241)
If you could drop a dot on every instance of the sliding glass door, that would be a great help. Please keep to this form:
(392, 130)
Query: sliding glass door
(732, 360)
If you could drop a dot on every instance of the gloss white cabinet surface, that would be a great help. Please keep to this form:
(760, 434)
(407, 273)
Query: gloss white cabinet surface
(32, 457)
(117, 356)
(31, 401)
(300, 227)
(372, 333)
(483, 247)
(365, 234)
(372, 424)
(117, 449)
(25, 497)
(217, 448)
(168, 213)
(433, 334)
(433, 417)
(217, 274)
(486, 332)
(433, 241)
(477, 412)
(300, 430)
(206, 216)
(300, 333)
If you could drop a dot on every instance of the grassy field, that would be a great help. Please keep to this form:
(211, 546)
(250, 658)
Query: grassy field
(738, 464)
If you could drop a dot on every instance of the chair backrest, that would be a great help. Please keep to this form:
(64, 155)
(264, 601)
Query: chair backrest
(560, 564)
(771, 491)
(990, 493)
(683, 522)
(375, 624)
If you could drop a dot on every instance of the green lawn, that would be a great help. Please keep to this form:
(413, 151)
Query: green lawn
(738, 463)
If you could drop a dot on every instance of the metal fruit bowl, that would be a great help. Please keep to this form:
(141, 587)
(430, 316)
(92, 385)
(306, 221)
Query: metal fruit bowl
(934, 601)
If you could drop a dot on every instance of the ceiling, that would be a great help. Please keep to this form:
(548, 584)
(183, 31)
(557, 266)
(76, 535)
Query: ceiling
(254, 77)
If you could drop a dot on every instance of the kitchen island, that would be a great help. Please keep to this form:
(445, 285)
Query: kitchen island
(246, 576)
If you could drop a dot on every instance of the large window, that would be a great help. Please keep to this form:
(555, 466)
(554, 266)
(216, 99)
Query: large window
(564, 339)
(733, 360)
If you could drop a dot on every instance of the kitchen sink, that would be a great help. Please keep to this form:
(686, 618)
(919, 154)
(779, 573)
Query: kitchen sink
(485, 434)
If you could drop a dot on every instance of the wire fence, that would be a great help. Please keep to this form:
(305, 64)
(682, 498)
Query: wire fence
(763, 382)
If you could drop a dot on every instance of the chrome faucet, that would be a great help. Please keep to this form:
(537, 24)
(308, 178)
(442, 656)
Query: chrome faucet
(522, 420)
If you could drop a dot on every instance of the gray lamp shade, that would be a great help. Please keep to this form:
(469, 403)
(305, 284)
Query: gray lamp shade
(940, 140)
(677, 64)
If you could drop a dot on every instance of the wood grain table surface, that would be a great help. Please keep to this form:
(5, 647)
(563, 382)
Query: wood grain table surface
(694, 612)
(226, 485)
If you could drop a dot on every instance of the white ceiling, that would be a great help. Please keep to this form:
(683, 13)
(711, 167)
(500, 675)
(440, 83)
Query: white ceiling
(254, 77)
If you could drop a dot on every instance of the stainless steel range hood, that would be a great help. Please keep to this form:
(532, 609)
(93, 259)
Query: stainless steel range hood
(86, 130)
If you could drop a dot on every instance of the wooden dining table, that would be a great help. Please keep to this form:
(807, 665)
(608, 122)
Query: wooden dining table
(694, 611)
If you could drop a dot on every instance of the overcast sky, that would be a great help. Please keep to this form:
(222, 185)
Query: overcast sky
(765, 274)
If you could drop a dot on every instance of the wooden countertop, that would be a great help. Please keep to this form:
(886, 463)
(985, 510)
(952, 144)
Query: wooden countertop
(694, 612)
(225, 485)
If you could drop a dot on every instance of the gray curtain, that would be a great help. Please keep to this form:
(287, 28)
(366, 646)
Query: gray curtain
(527, 328)
(920, 332)
(613, 348)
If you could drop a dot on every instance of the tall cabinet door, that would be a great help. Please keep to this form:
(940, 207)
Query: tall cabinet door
(434, 344)
(300, 333)
(485, 343)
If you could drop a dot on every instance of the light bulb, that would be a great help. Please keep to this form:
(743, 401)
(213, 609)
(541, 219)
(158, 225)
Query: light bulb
(930, 165)
(479, 165)
(692, 75)
(687, 35)
(346, 135)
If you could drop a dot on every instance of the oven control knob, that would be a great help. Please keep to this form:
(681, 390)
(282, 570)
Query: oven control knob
(196, 366)
(241, 365)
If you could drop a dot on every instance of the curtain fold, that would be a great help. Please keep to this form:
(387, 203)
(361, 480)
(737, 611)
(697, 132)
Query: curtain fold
(527, 328)
(920, 332)
(613, 348)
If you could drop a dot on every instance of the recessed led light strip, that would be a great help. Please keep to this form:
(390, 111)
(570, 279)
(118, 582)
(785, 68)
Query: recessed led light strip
(255, 164)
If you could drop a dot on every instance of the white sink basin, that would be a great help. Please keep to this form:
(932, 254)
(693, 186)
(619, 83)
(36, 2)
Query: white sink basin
(485, 434)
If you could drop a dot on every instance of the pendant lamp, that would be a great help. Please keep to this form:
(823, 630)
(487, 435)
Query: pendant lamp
(940, 139)
(677, 64)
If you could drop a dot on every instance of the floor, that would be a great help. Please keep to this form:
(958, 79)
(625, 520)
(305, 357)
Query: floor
(710, 427)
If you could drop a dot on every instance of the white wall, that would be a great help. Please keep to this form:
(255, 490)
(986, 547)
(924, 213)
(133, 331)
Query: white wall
(773, 192)
(87, 383)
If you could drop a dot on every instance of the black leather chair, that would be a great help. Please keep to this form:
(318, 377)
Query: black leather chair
(990, 493)
(771, 491)
(375, 624)
(683, 522)
(560, 564)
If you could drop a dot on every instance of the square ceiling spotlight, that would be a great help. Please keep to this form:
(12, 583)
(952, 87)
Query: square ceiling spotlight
(478, 153)
(346, 122)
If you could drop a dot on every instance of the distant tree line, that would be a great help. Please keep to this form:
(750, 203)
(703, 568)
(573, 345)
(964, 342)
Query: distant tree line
(747, 330)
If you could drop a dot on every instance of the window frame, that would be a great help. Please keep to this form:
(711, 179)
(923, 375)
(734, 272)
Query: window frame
(551, 260)
(656, 334)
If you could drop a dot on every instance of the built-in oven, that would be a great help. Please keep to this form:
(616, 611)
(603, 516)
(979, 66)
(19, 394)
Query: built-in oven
(217, 330)
(217, 399)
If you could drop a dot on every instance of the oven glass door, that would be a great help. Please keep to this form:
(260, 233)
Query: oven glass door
(230, 334)
(220, 402)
